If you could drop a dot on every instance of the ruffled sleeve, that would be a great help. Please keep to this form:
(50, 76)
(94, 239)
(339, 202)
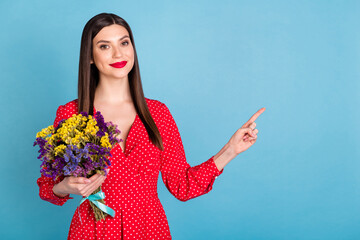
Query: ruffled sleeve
(182, 180)
(46, 184)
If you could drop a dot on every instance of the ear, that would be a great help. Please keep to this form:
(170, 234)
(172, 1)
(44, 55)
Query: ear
(91, 61)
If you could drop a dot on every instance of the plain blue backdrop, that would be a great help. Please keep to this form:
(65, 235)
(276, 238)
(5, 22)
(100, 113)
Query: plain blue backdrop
(214, 64)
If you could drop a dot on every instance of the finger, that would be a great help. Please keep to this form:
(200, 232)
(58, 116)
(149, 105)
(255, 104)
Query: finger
(254, 131)
(250, 139)
(246, 137)
(88, 190)
(91, 190)
(80, 180)
(254, 117)
(94, 177)
(254, 134)
(248, 131)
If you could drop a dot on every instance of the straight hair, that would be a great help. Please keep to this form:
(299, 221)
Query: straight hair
(89, 75)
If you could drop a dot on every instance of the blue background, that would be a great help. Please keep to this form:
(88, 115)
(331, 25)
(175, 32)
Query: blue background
(214, 64)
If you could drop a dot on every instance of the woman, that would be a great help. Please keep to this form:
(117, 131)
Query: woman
(109, 81)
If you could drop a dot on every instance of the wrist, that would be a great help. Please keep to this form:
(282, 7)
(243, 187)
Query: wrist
(230, 151)
(224, 156)
(58, 191)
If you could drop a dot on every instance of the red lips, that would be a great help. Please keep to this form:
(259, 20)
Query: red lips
(119, 64)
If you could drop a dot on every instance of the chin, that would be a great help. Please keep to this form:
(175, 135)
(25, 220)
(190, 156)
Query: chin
(120, 76)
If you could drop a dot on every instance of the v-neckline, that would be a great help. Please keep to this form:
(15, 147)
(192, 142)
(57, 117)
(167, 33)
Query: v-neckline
(123, 151)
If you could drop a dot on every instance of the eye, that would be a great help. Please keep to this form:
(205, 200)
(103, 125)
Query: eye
(104, 46)
(125, 43)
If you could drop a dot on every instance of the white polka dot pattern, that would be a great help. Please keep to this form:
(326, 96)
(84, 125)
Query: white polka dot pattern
(131, 185)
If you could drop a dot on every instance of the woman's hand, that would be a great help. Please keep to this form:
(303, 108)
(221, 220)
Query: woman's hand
(242, 139)
(245, 136)
(79, 185)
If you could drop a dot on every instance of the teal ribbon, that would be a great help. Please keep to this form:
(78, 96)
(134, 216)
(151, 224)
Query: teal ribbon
(98, 196)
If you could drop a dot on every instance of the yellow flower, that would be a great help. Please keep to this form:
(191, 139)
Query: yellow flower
(105, 141)
(91, 127)
(45, 132)
(60, 149)
(79, 135)
(51, 139)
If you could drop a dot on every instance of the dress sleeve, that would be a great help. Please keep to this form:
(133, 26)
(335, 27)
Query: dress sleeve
(182, 180)
(46, 184)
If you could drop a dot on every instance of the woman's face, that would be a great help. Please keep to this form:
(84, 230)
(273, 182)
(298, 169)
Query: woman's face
(111, 49)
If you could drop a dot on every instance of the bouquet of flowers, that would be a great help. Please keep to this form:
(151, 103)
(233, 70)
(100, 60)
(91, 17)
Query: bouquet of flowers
(79, 146)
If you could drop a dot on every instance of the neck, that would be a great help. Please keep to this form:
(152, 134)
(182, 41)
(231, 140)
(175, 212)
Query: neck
(113, 90)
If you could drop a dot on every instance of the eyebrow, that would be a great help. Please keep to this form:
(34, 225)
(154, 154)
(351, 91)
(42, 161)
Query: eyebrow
(105, 41)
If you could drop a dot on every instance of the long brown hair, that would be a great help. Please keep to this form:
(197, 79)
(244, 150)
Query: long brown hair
(89, 75)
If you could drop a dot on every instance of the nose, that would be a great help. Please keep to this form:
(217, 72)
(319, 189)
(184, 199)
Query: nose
(117, 52)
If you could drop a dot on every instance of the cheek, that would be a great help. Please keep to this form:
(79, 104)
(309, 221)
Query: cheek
(96, 57)
(101, 58)
(130, 54)
(132, 61)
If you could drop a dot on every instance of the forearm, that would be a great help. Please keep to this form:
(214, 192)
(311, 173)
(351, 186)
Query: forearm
(224, 156)
(190, 182)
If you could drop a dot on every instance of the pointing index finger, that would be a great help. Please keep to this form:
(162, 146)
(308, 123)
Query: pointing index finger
(254, 117)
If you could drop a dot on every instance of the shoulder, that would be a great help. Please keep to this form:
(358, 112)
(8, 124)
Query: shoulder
(161, 115)
(156, 107)
(153, 103)
(66, 111)
(69, 108)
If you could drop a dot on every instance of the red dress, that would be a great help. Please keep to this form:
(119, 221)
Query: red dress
(131, 185)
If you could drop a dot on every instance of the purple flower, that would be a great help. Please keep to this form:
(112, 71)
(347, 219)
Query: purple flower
(72, 158)
(78, 161)
(41, 143)
(79, 172)
(101, 124)
(85, 114)
(113, 131)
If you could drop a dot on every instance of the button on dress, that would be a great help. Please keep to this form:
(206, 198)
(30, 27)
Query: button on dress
(131, 185)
